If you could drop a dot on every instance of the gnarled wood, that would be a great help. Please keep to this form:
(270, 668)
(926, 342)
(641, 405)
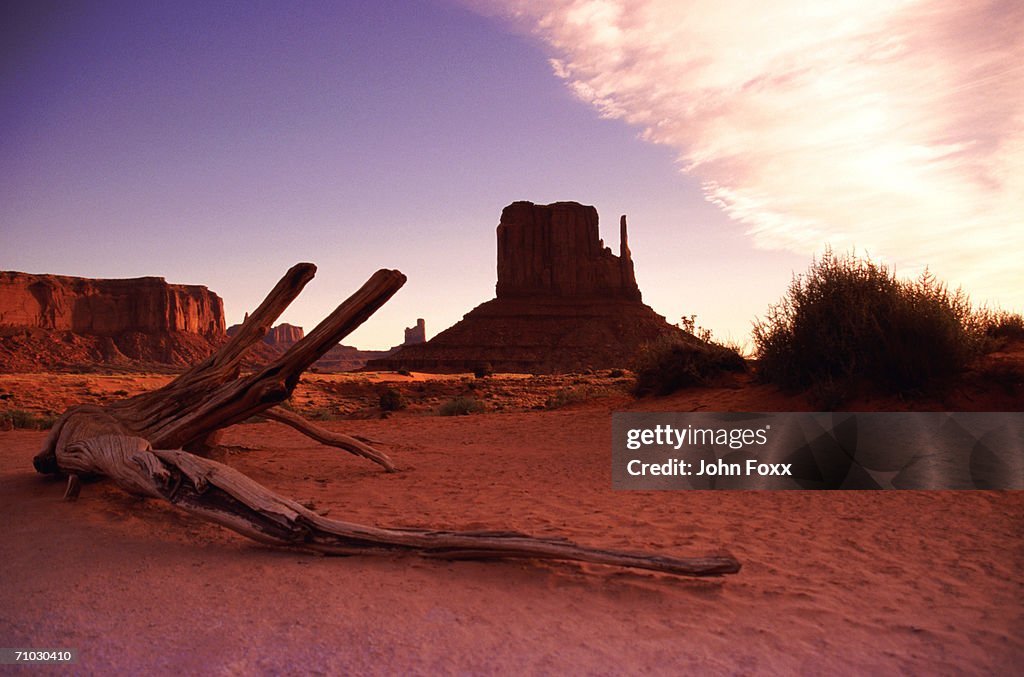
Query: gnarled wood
(223, 495)
(329, 437)
(211, 396)
(117, 441)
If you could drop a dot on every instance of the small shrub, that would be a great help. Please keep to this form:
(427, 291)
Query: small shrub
(688, 323)
(404, 372)
(850, 320)
(392, 399)
(19, 418)
(461, 406)
(120, 393)
(566, 396)
(671, 363)
(321, 414)
(999, 324)
(483, 370)
(616, 373)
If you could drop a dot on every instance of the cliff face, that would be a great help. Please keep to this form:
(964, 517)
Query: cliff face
(284, 335)
(108, 307)
(555, 250)
(56, 321)
(564, 302)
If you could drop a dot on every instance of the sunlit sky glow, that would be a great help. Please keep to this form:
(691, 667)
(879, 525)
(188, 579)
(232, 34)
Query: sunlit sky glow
(214, 146)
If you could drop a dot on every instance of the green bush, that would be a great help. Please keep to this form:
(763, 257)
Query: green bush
(483, 370)
(461, 406)
(849, 321)
(391, 399)
(672, 363)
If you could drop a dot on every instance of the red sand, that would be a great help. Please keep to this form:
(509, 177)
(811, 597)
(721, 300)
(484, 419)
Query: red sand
(842, 582)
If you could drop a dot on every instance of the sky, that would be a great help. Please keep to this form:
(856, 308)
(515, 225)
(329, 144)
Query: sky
(220, 143)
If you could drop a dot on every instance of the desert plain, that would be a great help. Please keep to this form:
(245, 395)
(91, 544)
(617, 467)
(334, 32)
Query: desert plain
(884, 582)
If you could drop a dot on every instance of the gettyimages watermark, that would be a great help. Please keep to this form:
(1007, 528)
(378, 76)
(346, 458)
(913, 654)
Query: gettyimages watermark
(824, 450)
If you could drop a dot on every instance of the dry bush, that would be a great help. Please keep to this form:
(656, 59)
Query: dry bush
(849, 321)
(671, 363)
(19, 418)
(566, 396)
(1001, 325)
(391, 399)
(461, 406)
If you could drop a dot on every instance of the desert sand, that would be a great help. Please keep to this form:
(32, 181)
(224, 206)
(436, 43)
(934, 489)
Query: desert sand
(832, 582)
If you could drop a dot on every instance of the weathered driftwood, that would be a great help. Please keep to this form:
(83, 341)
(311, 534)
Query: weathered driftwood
(322, 435)
(141, 444)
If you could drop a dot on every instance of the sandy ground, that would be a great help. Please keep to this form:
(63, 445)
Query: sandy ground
(842, 582)
(330, 396)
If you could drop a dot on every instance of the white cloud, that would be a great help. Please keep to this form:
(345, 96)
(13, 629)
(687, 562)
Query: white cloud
(896, 127)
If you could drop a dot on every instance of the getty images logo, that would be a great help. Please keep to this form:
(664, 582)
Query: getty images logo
(668, 436)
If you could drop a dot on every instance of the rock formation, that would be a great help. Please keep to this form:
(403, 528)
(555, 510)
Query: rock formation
(417, 334)
(564, 302)
(49, 321)
(282, 336)
(554, 251)
(108, 307)
(348, 358)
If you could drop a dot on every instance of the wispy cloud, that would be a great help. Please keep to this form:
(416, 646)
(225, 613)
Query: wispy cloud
(896, 127)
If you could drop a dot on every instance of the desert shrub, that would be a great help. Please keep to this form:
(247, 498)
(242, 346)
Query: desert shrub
(849, 320)
(461, 406)
(483, 370)
(19, 418)
(404, 372)
(1000, 324)
(616, 373)
(671, 363)
(391, 399)
(688, 323)
(565, 396)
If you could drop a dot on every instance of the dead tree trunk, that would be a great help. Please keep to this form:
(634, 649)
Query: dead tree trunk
(141, 444)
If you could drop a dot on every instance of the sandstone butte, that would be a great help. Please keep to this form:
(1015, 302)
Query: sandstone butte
(58, 322)
(283, 335)
(48, 321)
(564, 302)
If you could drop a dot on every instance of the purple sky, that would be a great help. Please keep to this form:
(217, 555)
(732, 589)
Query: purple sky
(214, 144)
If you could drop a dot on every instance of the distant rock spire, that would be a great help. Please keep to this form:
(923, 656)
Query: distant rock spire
(416, 334)
(624, 252)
